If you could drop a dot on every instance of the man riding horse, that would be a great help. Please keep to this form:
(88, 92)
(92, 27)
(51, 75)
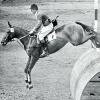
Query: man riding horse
(75, 33)
(41, 30)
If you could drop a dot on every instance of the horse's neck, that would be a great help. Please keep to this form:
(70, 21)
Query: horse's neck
(19, 34)
(25, 41)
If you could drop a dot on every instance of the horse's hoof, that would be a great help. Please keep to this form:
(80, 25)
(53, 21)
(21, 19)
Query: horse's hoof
(26, 81)
(30, 87)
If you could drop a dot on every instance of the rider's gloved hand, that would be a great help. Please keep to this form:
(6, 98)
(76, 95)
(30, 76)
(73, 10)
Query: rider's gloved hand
(32, 33)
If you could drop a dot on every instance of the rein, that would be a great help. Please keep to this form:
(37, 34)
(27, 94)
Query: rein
(23, 36)
(20, 43)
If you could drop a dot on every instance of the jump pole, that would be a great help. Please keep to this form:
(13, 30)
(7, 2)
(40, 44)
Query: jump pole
(95, 20)
(96, 15)
(85, 68)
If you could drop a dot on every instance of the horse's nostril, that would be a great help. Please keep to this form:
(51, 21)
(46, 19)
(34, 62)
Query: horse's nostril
(3, 43)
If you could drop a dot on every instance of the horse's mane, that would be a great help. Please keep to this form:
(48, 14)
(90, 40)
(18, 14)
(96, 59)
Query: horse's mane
(59, 29)
(21, 29)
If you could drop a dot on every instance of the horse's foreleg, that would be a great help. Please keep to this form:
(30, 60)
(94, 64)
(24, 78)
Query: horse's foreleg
(26, 70)
(33, 60)
(29, 81)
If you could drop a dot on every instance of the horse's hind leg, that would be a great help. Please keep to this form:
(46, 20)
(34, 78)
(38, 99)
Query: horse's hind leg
(95, 45)
(86, 38)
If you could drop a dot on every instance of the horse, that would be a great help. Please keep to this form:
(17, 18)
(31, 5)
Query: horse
(73, 33)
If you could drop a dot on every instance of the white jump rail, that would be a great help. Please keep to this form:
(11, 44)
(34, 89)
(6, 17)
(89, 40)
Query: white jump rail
(85, 68)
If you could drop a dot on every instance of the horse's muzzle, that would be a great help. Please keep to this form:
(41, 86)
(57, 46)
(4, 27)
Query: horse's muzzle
(3, 43)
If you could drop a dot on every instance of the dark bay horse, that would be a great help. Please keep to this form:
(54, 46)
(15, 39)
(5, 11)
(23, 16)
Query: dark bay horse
(73, 33)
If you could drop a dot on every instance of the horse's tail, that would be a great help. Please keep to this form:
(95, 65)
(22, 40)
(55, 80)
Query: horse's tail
(85, 27)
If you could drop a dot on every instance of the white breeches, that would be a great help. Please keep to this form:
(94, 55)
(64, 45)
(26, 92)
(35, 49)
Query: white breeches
(44, 31)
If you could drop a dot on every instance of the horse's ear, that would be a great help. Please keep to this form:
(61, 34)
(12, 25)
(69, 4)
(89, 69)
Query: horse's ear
(9, 24)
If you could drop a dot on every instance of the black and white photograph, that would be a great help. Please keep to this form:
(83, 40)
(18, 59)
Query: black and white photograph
(49, 50)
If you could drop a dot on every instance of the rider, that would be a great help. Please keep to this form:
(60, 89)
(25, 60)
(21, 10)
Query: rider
(43, 27)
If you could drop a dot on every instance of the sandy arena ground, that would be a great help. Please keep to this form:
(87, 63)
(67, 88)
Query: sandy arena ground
(51, 75)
